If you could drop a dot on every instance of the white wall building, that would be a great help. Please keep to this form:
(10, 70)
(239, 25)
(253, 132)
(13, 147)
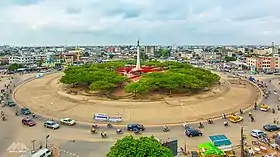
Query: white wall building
(22, 59)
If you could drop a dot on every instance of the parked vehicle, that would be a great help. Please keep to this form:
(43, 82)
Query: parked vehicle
(28, 122)
(133, 127)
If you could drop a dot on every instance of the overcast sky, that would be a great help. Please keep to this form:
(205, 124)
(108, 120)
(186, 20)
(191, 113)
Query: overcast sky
(92, 22)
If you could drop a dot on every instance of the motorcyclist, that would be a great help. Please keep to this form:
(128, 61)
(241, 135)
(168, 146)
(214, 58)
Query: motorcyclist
(94, 125)
(200, 125)
(273, 110)
(255, 106)
(2, 113)
(224, 116)
(241, 111)
(137, 131)
(225, 123)
(250, 114)
(210, 121)
(109, 125)
(93, 130)
(278, 107)
(118, 130)
(17, 113)
(165, 128)
(33, 115)
(103, 134)
(185, 125)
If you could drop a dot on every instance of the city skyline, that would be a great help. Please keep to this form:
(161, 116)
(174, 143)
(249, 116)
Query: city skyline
(95, 22)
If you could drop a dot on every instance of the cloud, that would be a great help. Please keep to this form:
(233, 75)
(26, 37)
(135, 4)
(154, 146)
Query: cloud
(91, 22)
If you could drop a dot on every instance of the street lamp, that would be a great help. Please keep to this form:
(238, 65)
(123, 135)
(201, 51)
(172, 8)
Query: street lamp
(47, 140)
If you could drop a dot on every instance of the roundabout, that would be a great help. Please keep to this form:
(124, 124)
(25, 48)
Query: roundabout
(87, 144)
(48, 97)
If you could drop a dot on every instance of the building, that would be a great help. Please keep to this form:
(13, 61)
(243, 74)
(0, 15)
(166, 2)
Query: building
(264, 63)
(150, 51)
(22, 59)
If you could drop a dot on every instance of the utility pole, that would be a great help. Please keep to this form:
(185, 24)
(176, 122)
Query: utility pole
(242, 142)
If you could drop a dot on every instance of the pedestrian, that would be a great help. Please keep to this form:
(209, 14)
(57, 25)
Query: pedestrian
(277, 121)
(274, 120)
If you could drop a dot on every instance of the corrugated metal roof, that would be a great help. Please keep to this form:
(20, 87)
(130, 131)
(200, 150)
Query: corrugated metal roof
(220, 140)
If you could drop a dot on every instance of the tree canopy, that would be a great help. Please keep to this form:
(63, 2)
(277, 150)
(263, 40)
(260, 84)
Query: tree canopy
(14, 67)
(97, 77)
(138, 147)
(175, 77)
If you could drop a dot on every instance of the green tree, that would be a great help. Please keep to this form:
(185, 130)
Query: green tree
(228, 59)
(86, 54)
(102, 86)
(138, 147)
(14, 67)
(165, 53)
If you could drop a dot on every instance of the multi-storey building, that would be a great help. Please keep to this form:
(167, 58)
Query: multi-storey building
(264, 63)
(22, 59)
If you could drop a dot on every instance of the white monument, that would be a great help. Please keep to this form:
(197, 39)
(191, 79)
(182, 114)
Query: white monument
(138, 66)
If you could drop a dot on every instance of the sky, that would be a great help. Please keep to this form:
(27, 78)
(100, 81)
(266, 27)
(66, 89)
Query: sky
(167, 22)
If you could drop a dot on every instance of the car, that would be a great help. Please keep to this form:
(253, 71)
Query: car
(133, 127)
(51, 124)
(11, 103)
(28, 122)
(264, 107)
(25, 111)
(67, 121)
(257, 133)
(191, 132)
(234, 118)
(271, 127)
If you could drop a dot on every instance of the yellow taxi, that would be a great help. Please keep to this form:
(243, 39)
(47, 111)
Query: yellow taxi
(235, 118)
(264, 107)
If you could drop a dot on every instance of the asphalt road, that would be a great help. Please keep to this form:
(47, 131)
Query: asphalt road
(88, 145)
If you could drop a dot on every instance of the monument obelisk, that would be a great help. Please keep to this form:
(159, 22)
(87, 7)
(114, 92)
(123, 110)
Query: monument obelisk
(138, 66)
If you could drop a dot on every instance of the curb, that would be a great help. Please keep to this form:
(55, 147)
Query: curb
(46, 117)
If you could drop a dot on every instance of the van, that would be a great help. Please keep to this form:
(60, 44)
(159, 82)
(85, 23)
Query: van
(44, 152)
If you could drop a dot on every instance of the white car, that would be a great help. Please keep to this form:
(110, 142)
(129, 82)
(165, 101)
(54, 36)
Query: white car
(51, 124)
(257, 133)
(67, 121)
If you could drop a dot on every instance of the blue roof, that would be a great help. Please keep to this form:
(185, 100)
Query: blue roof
(220, 140)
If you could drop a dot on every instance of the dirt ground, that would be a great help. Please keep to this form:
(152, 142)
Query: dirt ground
(47, 96)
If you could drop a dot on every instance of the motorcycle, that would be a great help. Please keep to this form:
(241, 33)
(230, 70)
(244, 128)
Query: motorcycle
(95, 126)
(210, 121)
(119, 131)
(165, 129)
(137, 132)
(109, 125)
(103, 135)
(200, 125)
(273, 110)
(16, 113)
(93, 131)
(226, 124)
(4, 118)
